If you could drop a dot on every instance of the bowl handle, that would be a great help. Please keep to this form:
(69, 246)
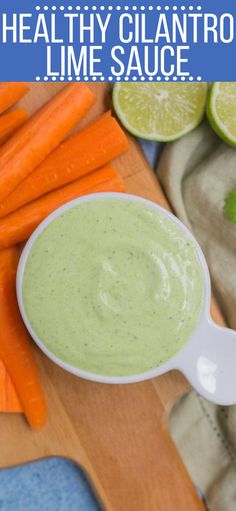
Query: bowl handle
(209, 362)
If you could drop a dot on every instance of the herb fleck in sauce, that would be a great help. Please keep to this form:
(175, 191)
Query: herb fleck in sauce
(113, 287)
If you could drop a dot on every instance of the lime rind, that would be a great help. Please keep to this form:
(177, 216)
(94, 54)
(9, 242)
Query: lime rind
(154, 135)
(230, 206)
(214, 119)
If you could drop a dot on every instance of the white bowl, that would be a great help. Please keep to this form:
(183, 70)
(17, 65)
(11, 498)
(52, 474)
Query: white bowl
(208, 359)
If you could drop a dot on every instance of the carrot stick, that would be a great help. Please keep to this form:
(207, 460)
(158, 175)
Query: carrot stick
(9, 401)
(41, 134)
(94, 146)
(10, 122)
(19, 225)
(15, 349)
(10, 93)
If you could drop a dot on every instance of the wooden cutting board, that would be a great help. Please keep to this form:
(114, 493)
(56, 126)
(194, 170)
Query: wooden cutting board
(118, 434)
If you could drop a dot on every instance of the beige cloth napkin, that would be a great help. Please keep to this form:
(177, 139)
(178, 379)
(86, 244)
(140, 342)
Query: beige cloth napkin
(197, 172)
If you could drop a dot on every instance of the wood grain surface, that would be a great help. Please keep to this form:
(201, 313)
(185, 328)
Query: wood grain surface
(118, 434)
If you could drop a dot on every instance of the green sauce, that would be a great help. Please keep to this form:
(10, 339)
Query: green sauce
(113, 287)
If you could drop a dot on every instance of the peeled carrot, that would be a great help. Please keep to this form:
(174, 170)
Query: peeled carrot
(15, 349)
(19, 225)
(94, 146)
(9, 401)
(10, 93)
(27, 148)
(10, 122)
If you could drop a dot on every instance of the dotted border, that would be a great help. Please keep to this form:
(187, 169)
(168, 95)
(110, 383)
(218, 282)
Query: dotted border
(118, 78)
(117, 8)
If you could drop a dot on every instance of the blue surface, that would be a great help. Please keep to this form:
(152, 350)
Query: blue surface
(208, 56)
(152, 151)
(54, 484)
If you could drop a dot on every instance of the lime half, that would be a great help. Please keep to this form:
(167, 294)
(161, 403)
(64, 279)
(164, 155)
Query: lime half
(230, 206)
(160, 111)
(221, 110)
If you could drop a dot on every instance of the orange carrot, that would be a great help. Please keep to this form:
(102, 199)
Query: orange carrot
(10, 122)
(89, 149)
(18, 226)
(10, 93)
(9, 401)
(27, 148)
(15, 349)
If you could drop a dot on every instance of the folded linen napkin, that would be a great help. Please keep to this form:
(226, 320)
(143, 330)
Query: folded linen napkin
(197, 172)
